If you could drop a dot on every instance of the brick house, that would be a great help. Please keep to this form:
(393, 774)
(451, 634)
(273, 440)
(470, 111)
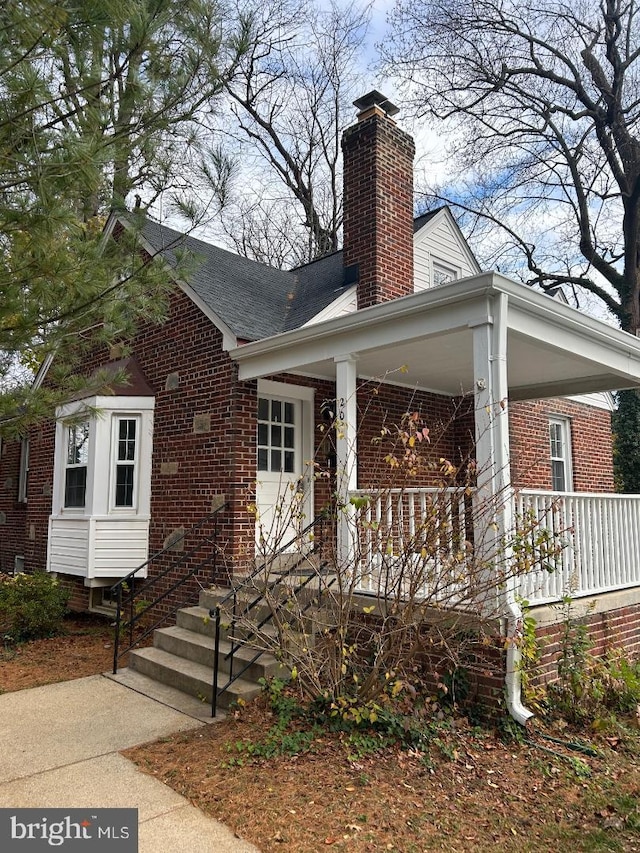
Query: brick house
(223, 401)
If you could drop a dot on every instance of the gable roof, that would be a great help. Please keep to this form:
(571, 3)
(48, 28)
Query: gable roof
(420, 221)
(254, 299)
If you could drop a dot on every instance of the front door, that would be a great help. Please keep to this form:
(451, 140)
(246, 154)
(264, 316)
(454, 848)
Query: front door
(280, 494)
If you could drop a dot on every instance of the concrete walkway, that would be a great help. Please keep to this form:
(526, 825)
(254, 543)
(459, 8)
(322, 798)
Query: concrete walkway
(59, 747)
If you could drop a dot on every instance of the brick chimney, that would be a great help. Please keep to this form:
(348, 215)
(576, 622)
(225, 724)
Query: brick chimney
(378, 202)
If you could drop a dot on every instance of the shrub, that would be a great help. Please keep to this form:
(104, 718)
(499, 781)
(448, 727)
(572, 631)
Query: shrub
(31, 606)
(591, 690)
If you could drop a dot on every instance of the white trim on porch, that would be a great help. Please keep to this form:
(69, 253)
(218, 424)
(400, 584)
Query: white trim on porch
(459, 337)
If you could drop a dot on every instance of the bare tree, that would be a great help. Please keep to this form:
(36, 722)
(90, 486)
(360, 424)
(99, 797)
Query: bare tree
(291, 94)
(544, 100)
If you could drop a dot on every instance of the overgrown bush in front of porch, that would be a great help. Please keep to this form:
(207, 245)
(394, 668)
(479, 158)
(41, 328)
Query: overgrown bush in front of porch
(407, 612)
(31, 606)
(598, 692)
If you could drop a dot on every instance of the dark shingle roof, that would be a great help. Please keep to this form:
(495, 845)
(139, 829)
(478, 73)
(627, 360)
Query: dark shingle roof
(253, 299)
(421, 220)
(317, 284)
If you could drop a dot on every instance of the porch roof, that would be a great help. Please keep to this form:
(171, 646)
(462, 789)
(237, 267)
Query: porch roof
(425, 340)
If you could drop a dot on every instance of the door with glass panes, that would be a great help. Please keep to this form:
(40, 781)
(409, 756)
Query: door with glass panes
(279, 496)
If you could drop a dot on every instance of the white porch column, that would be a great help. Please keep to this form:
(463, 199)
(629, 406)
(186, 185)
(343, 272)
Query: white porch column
(346, 452)
(494, 493)
(493, 509)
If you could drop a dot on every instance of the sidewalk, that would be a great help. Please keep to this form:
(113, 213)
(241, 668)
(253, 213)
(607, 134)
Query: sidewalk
(59, 747)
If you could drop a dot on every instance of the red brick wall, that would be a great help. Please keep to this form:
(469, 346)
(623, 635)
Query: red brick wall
(378, 208)
(384, 406)
(607, 631)
(591, 444)
(78, 592)
(12, 513)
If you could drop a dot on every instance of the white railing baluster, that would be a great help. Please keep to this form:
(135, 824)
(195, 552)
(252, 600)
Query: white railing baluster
(601, 533)
(603, 543)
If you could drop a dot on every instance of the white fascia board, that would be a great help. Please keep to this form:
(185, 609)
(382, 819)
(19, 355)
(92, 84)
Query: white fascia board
(42, 371)
(445, 214)
(456, 305)
(125, 402)
(604, 400)
(229, 340)
(106, 403)
(565, 328)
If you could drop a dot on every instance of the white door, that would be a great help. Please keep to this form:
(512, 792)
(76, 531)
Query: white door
(280, 497)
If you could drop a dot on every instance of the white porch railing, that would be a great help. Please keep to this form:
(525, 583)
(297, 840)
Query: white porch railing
(596, 539)
(412, 542)
(601, 535)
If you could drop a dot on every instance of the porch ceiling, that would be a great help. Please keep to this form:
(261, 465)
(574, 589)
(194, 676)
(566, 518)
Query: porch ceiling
(426, 340)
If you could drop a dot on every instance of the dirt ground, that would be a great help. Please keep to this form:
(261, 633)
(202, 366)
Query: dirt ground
(85, 648)
(472, 792)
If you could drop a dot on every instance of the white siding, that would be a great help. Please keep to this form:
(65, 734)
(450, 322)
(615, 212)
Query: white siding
(69, 546)
(440, 241)
(97, 548)
(344, 304)
(119, 546)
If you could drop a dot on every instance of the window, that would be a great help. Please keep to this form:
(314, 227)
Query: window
(560, 450)
(23, 476)
(75, 481)
(442, 274)
(125, 462)
(276, 435)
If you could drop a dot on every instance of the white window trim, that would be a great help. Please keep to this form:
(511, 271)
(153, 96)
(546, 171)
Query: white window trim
(565, 427)
(437, 264)
(100, 490)
(303, 393)
(70, 466)
(116, 417)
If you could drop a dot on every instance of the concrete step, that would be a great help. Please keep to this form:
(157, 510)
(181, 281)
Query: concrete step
(200, 648)
(297, 610)
(190, 677)
(197, 619)
(165, 695)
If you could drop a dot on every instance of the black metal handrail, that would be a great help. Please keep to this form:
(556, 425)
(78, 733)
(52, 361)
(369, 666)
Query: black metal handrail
(128, 584)
(247, 583)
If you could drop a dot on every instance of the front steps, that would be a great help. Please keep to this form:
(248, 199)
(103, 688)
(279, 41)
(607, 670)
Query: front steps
(182, 658)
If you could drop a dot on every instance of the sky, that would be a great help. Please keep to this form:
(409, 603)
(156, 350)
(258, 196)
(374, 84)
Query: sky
(432, 163)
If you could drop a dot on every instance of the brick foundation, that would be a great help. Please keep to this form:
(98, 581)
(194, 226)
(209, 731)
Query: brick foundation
(612, 625)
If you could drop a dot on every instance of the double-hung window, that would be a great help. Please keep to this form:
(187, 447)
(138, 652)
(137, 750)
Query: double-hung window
(77, 458)
(560, 452)
(126, 444)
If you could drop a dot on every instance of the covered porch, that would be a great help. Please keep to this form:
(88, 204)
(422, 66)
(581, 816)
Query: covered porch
(497, 341)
